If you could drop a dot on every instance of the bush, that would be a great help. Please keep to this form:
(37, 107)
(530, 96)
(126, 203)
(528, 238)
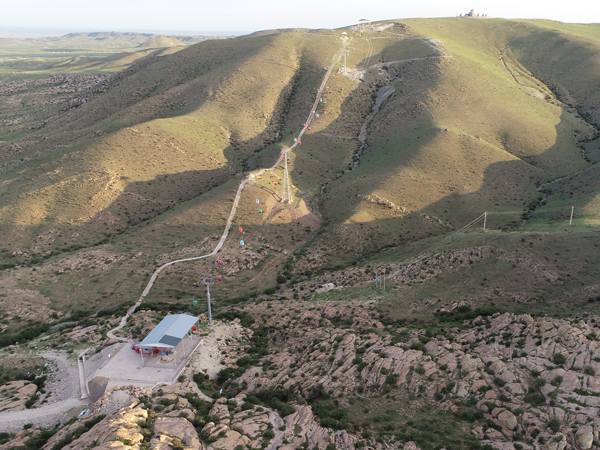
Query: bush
(270, 291)
(554, 425)
(418, 346)
(281, 279)
(499, 382)
(558, 358)
(90, 423)
(589, 370)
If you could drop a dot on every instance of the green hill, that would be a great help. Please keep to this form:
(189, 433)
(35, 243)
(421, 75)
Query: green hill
(472, 116)
(161, 42)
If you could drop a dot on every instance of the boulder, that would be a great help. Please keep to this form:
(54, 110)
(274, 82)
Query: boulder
(584, 437)
(557, 442)
(177, 427)
(232, 440)
(507, 420)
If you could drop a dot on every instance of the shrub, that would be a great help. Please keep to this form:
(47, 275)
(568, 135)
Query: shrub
(247, 406)
(176, 444)
(418, 346)
(554, 424)
(270, 291)
(90, 423)
(589, 370)
(499, 382)
(558, 358)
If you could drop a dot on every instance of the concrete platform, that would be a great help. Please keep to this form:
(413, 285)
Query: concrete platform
(125, 368)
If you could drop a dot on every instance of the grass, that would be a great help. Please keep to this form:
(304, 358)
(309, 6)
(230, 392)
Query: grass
(406, 419)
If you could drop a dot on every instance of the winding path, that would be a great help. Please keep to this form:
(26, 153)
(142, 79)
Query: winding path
(236, 201)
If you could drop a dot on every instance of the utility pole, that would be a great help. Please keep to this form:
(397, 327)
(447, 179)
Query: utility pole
(208, 282)
(286, 195)
(380, 280)
(484, 220)
(571, 221)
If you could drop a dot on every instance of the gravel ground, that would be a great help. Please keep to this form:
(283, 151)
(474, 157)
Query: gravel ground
(46, 417)
(63, 391)
(63, 381)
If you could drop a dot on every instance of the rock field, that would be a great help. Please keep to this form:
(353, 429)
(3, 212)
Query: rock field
(512, 381)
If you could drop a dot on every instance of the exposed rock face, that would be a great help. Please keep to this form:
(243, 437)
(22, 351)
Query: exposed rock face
(14, 395)
(507, 420)
(497, 361)
(21, 439)
(557, 442)
(122, 427)
(167, 429)
(585, 437)
(523, 379)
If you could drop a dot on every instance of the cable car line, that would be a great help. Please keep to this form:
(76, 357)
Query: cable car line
(236, 201)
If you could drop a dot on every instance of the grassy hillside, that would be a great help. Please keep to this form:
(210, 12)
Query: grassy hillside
(432, 123)
(84, 52)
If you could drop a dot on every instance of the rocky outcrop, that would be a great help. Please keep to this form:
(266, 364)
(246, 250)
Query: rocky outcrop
(169, 432)
(15, 394)
(122, 429)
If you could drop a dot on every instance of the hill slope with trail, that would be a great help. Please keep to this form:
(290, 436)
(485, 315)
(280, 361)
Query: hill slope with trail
(449, 118)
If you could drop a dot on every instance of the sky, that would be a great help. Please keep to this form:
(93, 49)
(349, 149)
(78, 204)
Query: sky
(56, 17)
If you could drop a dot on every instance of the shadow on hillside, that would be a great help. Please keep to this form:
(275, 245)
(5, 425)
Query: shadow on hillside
(187, 90)
(360, 227)
(567, 63)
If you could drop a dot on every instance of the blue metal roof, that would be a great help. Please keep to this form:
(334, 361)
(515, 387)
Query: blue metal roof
(170, 331)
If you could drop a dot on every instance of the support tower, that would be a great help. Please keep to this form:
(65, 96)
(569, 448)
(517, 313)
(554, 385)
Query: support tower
(286, 196)
(208, 282)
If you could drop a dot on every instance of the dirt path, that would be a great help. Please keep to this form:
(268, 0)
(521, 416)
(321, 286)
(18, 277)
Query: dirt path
(63, 384)
(47, 416)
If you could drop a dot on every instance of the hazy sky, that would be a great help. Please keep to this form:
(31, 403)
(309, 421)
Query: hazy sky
(251, 15)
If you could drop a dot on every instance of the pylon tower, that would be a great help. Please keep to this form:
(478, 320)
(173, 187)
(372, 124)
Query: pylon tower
(286, 196)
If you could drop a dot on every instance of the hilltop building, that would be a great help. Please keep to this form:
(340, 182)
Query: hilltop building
(473, 14)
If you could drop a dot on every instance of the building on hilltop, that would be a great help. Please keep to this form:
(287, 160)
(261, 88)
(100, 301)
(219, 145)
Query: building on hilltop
(473, 14)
